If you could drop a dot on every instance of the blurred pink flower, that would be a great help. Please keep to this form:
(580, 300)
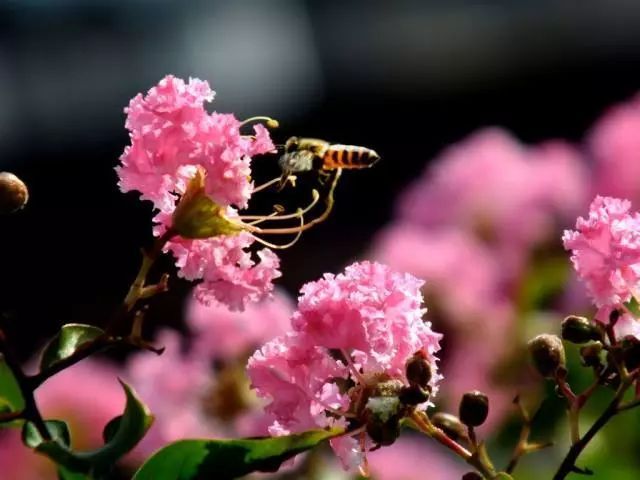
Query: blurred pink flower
(464, 278)
(414, 459)
(220, 333)
(87, 396)
(371, 316)
(606, 252)
(614, 145)
(172, 386)
(485, 183)
(189, 397)
(173, 137)
(627, 325)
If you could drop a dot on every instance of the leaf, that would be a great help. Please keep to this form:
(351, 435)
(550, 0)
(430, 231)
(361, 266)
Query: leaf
(134, 423)
(10, 396)
(227, 459)
(58, 430)
(69, 339)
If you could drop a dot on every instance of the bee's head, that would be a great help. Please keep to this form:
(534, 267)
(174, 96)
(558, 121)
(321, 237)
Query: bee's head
(291, 145)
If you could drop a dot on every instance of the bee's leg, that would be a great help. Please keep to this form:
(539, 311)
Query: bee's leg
(324, 176)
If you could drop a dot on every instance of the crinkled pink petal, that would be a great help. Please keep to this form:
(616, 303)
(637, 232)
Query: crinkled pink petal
(606, 251)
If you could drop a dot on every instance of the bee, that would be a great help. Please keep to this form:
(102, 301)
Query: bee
(307, 154)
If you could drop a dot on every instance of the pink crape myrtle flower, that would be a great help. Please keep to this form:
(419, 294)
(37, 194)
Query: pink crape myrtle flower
(359, 327)
(606, 252)
(87, 396)
(614, 146)
(222, 334)
(189, 397)
(484, 183)
(173, 138)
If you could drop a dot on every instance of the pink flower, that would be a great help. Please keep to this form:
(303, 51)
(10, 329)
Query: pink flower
(87, 396)
(627, 325)
(606, 252)
(220, 333)
(173, 139)
(229, 274)
(614, 144)
(464, 278)
(171, 133)
(359, 326)
(485, 183)
(410, 459)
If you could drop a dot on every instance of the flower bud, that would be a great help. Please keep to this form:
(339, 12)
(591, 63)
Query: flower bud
(383, 416)
(590, 354)
(418, 370)
(474, 408)
(472, 476)
(547, 353)
(414, 395)
(450, 425)
(579, 330)
(631, 352)
(13, 193)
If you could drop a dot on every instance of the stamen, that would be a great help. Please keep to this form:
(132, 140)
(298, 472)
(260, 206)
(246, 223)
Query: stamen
(269, 122)
(276, 216)
(315, 221)
(266, 185)
(287, 245)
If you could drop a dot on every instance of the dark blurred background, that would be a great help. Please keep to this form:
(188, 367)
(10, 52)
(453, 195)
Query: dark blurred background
(405, 78)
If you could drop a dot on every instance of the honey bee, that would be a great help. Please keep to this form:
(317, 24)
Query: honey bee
(307, 154)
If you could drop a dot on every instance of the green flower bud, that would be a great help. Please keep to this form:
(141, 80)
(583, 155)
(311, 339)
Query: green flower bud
(13, 193)
(450, 425)
(547, 353)
(383, 416)
(474, 408)
(579, 330)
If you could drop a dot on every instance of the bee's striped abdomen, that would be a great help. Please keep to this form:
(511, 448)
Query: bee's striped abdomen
(348, 156)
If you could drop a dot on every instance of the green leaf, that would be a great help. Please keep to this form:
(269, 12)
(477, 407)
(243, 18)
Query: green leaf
(64, 474)
(10, 396)
(58, 430)
(134, 423)
(227, 459)
(69, 339)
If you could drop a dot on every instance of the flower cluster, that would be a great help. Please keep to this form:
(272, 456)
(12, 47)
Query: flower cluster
(606, 252)
(346, 355)
(177, 145)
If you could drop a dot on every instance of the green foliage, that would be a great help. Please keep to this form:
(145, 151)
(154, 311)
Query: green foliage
(70, 338)
(9, 389)
(133, 424)
(58, 430)
(227, 459)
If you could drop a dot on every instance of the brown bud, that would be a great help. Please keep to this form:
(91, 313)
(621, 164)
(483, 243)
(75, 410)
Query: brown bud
(414, 395)
(590, 354)
(472, 476)
(631, 352)
(474, 408)
(449, 424)
(13, 193)
(418, 370)
(382, 416)
(547, 353)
